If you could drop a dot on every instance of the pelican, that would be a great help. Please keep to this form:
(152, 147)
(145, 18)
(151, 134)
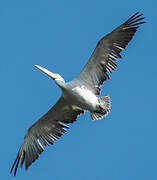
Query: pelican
(79, 95)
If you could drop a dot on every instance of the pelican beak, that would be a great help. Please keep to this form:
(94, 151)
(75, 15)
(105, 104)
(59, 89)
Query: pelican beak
(50, 74)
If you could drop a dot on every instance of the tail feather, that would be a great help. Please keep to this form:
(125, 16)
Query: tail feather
(105, 105)
(105, 102)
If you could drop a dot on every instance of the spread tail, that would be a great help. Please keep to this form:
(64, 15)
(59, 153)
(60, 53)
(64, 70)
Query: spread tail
(104, 106)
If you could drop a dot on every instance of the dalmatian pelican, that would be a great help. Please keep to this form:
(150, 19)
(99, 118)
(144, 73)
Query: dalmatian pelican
(79, 95)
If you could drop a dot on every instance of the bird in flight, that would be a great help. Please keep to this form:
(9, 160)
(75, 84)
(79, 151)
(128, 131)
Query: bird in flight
(79, 95)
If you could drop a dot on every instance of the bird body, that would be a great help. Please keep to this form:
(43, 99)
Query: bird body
(78, 95)
(81, 97)
(75, 94)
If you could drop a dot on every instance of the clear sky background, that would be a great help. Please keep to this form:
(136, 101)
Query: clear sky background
(61, 35)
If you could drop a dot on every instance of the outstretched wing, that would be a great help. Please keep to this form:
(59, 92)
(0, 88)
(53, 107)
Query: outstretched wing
(44, 132)
(106, 52)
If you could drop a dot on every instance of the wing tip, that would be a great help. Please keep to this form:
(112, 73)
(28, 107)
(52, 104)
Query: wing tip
(15, 166)
(136, 19)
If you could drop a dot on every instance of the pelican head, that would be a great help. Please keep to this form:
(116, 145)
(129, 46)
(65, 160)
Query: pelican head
(56, 77)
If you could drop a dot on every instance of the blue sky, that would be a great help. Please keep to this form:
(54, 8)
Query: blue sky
(61, 35)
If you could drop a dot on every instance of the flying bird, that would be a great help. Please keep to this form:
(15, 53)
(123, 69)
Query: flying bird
(79, 95)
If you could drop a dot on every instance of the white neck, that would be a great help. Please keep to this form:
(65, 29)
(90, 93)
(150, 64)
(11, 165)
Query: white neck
(60, 82)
